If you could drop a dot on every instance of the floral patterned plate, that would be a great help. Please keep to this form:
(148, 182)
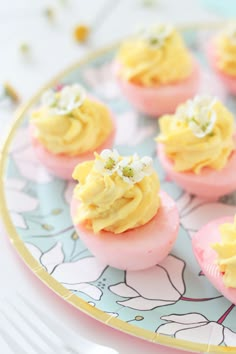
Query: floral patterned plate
(172, 303)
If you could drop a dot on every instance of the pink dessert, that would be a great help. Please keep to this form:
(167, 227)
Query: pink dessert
(62, 165)
(207, 257)
(228, 80)
(209, 184)
(156, 101)
(135, 249)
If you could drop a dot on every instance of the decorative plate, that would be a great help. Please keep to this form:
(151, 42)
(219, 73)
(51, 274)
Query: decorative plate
(172, 303)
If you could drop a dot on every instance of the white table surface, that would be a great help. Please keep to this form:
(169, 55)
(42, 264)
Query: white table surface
(52, 48)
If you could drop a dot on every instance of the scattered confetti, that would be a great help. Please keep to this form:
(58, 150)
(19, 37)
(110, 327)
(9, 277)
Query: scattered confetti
(49, 13)
(81, 33)
(11, 92)
(24, 48)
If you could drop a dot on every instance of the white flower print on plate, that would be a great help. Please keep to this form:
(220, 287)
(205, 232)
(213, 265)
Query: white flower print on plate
(142, 290)
(75, 276)
(101, 80)
(196, 212)
(133, 135)
(195, 327)
(18, 201)
(24, 157)
(68, 192)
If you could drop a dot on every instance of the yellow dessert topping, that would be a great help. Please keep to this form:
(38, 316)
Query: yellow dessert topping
(116, 193)
(226, 251)
(81, 33)
(199, 134)
(226, 50)
(71, 123)
(156, 57)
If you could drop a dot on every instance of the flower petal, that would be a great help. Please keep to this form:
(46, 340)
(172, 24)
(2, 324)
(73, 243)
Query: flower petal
(203, 214)
(15, 184)
(122, 289)
(35, 251)
(69, 191)
(53, 257)
(21, 140)
(91, 290)
(20, 202)
(211, 334)
(171, 328)
(33, 171)
(189, 318)
(84, 270)
(210, 84)
(230, 337)
(100, 80)
(139, 303)
(187, 202)
(175, 268)
(28, 165)
(18, 220)
(147, 284)
(133, 135)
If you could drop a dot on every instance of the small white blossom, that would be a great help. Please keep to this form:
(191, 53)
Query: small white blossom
(106, 162)
(64, 101)
(130, 171)
(230, 32)
(199, 114)
(147, 165)
(133, 169)
(156, 35)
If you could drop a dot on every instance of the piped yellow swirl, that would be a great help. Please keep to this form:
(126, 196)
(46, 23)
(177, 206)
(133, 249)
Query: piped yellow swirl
(108, 202)
(226, 251)
(149, 65)
(226, 50)
(190, 152)
(81, 130)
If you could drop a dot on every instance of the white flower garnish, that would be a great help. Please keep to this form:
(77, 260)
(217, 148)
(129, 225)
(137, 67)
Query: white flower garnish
(199, 114)
(230, 32)
(156, 35)
(131, 169)
(107, 162)
(147, 163)
(64, 101)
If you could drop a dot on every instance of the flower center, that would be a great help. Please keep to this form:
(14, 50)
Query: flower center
(128, 171)
(154, 41)
(110, 163)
